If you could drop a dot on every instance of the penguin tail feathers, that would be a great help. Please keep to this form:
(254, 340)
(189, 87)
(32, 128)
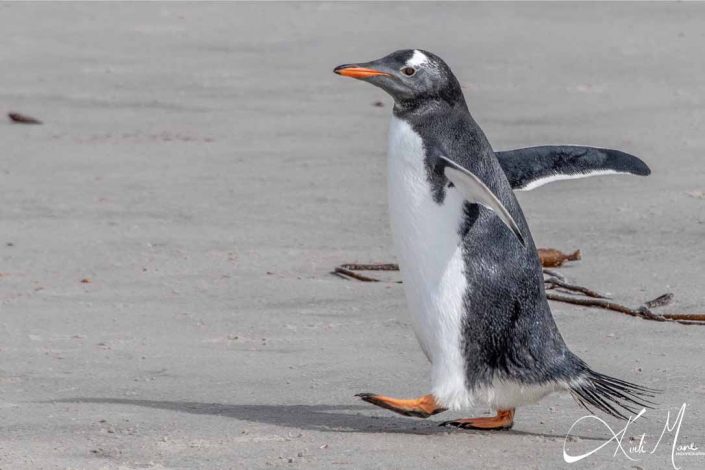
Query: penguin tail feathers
(610, 395)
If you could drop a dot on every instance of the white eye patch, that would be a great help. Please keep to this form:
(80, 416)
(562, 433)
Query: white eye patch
(418, 59)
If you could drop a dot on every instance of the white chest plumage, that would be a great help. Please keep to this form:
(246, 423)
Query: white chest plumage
(430, 257)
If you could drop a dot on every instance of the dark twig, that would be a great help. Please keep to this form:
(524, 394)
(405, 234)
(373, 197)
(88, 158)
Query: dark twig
(601, 303)
(575, 288)
(685, 317)
(23, 119)
(555, 274)
(371, 267)
(347, 270)
(354, 275)
(641, 312)
(660, 301)
(340, 275)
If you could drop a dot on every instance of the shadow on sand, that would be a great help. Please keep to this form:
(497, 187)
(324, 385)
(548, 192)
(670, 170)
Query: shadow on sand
(326, 418)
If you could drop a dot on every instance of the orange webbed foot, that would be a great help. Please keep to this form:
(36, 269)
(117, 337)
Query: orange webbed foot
(502, 421)
(421, 407)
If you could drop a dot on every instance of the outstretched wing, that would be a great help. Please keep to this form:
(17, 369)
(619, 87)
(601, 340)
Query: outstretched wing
(475, 191)
(529, 168)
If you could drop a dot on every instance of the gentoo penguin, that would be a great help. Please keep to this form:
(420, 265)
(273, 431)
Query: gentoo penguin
(471, 273)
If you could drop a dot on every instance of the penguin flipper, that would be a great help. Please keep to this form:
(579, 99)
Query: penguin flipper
(529, 168)
(475, 191)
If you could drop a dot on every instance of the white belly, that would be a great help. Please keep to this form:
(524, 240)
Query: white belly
(431, 262)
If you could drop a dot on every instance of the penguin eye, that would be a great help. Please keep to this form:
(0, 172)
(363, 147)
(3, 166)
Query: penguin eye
(408, 71)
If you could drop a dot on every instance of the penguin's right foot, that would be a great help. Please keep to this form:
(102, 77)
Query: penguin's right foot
(421, 407)
(502, 421)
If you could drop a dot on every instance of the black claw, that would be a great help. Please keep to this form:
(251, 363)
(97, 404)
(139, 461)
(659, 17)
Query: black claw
(365, 395)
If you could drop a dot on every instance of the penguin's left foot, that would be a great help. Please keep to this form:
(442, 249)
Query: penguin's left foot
(421, 407)
(503, 421)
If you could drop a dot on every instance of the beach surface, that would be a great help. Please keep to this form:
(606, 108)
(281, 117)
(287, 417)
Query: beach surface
(167, 234)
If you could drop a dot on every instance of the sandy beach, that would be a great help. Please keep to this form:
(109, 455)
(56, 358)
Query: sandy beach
(168, 232)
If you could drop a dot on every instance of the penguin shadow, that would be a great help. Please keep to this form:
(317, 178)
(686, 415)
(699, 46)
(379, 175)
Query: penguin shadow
(325, 418)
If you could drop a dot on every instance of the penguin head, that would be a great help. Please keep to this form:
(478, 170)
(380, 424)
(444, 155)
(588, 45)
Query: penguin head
(409, 76)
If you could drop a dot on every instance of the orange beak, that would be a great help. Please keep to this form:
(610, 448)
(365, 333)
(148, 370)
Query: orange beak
(357, 72)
